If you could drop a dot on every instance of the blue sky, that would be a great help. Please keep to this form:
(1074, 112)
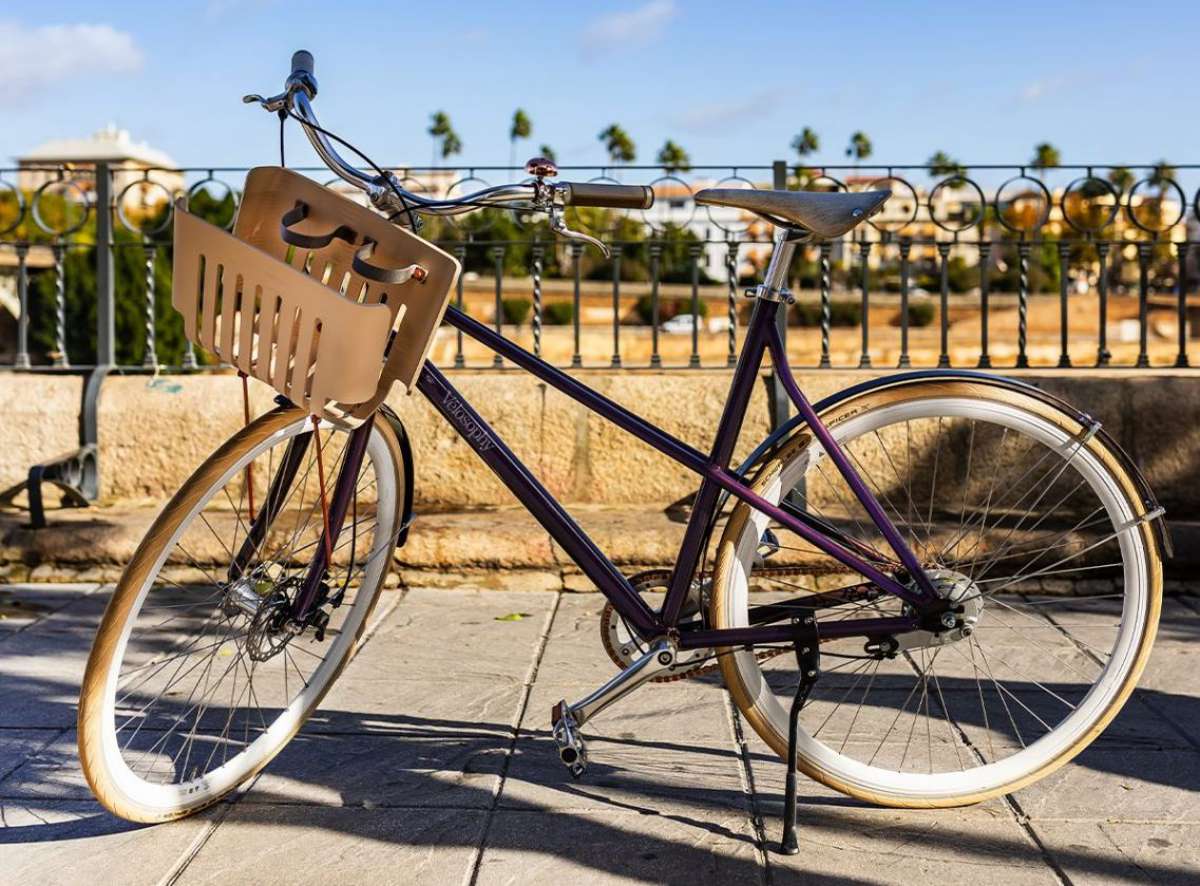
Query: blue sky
(732, 82)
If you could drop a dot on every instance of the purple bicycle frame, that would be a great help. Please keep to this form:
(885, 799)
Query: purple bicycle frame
(717, 478)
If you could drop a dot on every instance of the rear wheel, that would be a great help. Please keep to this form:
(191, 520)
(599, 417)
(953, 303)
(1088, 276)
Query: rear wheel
(195, 681)
(1025, 519)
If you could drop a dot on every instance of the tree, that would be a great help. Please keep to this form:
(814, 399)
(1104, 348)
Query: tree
(860, 147)
(1121, 178)
(1162, 174)
(807, 142)
(441, 130)
(942, 165)
(1045, 156)
(619, 145)
(674, 158)
(522, 127)
(548, 152)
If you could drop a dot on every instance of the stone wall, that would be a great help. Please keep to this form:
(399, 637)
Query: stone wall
(153, 432)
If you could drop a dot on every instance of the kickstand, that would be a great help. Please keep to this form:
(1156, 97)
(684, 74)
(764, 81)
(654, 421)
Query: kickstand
(808, 658)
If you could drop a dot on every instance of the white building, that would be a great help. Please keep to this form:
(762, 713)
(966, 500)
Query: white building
(144, 174)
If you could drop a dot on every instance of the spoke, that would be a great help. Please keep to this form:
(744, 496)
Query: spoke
(861, 701)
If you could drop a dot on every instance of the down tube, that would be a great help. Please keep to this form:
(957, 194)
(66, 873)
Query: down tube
(536, 499)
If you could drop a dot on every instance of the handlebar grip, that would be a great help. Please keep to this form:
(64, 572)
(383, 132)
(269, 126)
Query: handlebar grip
(610, 196)
(302, 62)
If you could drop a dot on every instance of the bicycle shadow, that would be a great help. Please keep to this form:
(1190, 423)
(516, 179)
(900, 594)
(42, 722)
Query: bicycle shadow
(455, 763)
(681, 819)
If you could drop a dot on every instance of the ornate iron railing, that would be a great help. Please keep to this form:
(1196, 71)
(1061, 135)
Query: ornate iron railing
(988, 266)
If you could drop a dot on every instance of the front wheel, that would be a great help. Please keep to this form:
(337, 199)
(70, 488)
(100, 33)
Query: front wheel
(1024, 518)
(195, 680)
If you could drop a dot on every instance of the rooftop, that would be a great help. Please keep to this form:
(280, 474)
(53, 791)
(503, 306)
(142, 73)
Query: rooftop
(109, 143)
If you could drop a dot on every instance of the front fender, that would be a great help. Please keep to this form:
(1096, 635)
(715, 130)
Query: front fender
(397, 426)
(784, 432)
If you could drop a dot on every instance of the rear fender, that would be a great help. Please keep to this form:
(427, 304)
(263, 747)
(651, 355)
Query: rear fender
(781, 435)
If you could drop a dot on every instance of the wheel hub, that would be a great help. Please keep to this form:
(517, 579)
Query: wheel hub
(958, 622)
(265, 603)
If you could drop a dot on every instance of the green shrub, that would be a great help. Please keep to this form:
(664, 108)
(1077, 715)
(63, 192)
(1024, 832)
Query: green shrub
(516, 310)
(841, 313)
(559, 313)
(667, 308)
(921, 313)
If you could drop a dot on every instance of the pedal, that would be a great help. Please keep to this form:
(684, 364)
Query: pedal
(571, 748)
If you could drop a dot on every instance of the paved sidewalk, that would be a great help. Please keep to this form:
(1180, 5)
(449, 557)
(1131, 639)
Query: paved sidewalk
(430, 762)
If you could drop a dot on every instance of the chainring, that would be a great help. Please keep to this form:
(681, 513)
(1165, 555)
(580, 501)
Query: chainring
(624, 647)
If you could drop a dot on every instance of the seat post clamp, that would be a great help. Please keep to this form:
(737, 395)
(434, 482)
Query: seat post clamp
(766, 292)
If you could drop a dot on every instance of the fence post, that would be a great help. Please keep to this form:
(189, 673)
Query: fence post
(498, 270)
(616, 295)
(864, 254)
(22, 361)
(778, 404)
(1181, 359)
(1102, 354)
(905, 250)
(105, 282)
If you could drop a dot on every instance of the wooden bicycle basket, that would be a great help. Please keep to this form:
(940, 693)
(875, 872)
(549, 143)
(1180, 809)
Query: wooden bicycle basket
(322, 299)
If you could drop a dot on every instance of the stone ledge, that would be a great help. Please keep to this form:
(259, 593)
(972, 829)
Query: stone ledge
(488, 548)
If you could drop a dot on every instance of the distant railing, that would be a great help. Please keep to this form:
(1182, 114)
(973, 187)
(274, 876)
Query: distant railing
(982, 266)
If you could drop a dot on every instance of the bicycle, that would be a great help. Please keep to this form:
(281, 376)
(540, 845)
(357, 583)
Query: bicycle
(878, 563)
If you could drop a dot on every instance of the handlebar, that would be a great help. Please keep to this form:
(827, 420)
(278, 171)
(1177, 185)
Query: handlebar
(302, 63)
(385, 193)
(611, 196)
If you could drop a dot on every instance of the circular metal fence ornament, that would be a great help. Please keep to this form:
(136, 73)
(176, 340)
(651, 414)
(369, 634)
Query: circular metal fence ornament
(1029, 220)
(469, 222)
(145, 184)
(67, 185)
(950, 183)
(18, 200)
(886, 183)
(737, 182)
(1090, 188)
(667, 184)
(835, 184)
(229, 194)
(1132, 215)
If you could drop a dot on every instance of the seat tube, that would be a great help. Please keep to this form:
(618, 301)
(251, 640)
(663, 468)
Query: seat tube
(744, 376)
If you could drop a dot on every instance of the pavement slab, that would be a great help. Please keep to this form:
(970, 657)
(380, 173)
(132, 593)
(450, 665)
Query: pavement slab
(430, 761)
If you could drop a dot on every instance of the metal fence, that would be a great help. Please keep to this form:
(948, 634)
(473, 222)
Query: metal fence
(987, 266)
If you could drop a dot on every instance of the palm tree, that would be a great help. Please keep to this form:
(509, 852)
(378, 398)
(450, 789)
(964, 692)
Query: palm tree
(522, 127)
(1045, 156)
(1121, 178)
(441, 130)
(807, 142)
(619, 145)
(1162, 174)
(860, 147)
(942, 165)
(674, 158)
(548, 152)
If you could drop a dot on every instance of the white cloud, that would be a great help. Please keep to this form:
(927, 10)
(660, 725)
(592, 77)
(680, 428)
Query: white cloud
(33, 60)
(719, 116)
(623, 30)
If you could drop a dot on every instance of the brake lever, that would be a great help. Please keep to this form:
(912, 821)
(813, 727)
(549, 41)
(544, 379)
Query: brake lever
(275, 103)
(559, 225)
